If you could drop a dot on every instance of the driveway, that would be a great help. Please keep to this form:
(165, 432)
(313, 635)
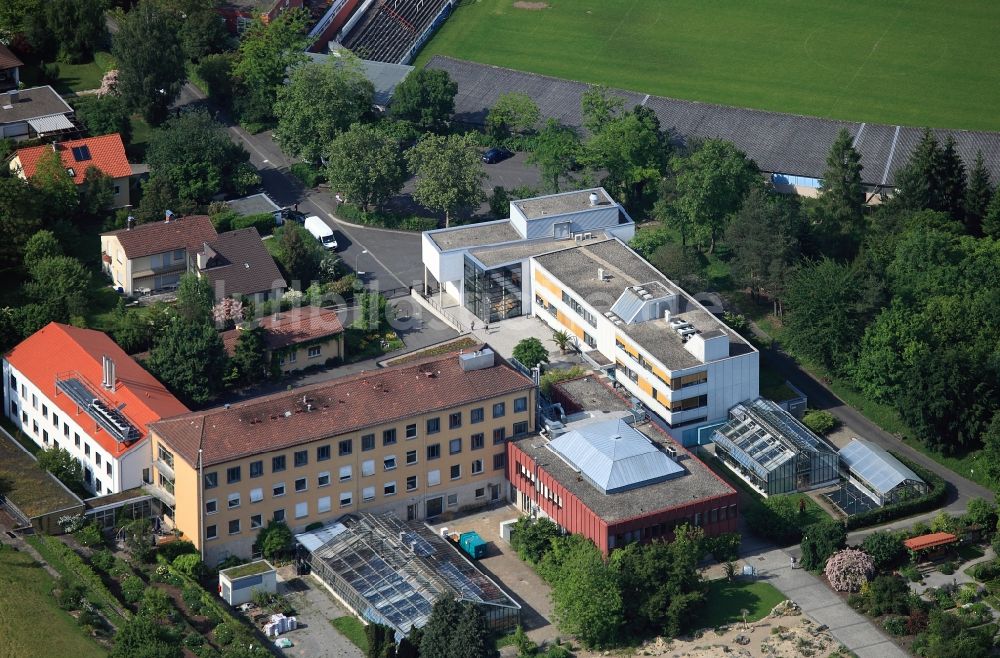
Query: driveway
(314, 607)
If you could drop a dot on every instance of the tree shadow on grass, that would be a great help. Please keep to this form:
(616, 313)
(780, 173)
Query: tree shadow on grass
(724, 603)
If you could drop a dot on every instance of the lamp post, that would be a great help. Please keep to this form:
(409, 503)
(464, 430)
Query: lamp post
(356, 259)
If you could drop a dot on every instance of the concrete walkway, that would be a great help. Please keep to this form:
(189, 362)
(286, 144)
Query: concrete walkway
(823, 605)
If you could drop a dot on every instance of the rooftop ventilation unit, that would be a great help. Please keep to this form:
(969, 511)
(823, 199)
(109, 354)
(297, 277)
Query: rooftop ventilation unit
(578, 237)
(108, 373)
(594, 198)
(646, 296)
(672, 451)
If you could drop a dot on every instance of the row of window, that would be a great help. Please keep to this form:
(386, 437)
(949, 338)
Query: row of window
(578, 308)
(291, 357)
(714, 515)
(52, 442)
(234, 474)
(543, 489)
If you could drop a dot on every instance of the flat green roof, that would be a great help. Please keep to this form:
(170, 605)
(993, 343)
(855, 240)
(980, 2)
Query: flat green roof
(35, 492)
(244, 570)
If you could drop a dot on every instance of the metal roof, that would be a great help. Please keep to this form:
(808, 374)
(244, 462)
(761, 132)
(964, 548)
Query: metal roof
(51, 123)
(876, 466)
(614, 456)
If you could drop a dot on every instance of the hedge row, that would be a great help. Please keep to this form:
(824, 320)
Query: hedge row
(934, 498)
(351, 213)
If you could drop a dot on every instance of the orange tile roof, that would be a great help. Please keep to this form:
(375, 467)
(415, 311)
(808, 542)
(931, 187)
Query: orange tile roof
(60, 348)
(930, 541)
(291, 327)
(107, 153)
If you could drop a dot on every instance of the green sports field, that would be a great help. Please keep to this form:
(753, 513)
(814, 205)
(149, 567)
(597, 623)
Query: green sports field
(910, 62)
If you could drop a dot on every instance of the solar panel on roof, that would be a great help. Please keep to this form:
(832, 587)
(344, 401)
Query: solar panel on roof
(81, 153)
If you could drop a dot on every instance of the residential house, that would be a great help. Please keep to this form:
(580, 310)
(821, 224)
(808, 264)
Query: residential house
(418, 441)
(73, 388)
(10, 69)
(106, 153)
(256, 204)
(237, 264)
(34, 113)
(297, 338)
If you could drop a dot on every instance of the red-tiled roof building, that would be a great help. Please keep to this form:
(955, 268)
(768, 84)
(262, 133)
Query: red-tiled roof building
(297, 338)
(76, 389)
(106, 153)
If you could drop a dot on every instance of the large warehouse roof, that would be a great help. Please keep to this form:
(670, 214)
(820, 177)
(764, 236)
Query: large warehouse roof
(876, 466)
(779, 143)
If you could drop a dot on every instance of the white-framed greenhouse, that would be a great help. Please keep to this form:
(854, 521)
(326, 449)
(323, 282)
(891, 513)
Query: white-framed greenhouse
(772, 451)
(878, 474)
(391, 572)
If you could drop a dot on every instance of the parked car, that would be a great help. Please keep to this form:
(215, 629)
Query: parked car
(321, 231)
(294, 215)
(496, 154)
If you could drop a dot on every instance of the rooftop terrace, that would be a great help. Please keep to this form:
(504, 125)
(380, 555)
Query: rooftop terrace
(34, 491)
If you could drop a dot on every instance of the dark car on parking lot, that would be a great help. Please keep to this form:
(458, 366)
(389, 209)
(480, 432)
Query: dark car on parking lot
(293, 215)
(496, 154)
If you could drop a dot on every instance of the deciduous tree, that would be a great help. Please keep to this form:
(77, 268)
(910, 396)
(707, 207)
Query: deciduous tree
(320, 101)
(56, 189)
(60, 463)
(599, 107)
(61, 287)
(557, 152)
(150, 61)
(74, 29)
(203, 32)
(426, 98)
(531, 352)
(513, 112)
(104, 115)
(20, 218)
(249, 359)
(632, 149)
(299, 253)
(365, 165)
(190, 360)
(40, 246)
(449, 172)
(195, 299)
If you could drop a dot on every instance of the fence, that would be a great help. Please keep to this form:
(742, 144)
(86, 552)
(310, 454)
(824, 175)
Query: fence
(431, 304)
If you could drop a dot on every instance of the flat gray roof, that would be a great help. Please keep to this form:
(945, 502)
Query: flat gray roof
(577, 267)
(492, 256)
(474, 235)
(31, 104)
(697, 483)
(253, 204)
(777, 142)
(558, 204)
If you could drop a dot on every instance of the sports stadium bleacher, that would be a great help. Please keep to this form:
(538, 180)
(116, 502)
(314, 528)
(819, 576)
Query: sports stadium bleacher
(390, 28)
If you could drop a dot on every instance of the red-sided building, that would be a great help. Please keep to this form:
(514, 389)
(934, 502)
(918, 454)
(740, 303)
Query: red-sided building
(615, 480)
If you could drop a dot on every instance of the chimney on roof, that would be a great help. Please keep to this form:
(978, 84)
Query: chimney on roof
(108, 373)
(593, 198)
(54, 147)
(167, 214)
(129, 221)
(13, 96)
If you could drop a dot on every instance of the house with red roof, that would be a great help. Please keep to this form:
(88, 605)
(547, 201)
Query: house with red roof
(75, 389)
(106, 153)
(297, 338)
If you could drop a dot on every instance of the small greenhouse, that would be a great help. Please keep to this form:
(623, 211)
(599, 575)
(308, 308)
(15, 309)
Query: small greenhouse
(878, 474)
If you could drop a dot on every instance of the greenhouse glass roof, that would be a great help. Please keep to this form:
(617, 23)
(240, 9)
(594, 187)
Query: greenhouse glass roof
(876, 466)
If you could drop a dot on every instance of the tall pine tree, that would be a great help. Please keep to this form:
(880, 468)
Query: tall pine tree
(951, 178)
(843, 197)
(978, 194)
(917, 183)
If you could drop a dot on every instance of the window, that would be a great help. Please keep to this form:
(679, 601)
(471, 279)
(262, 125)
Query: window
(433, 451)
(97, 455)
(456, 471)
(367, 467)
(278, 464)
(86, 448)
(256, 469)
(589, 340)
(34, 400)
(211, 506)
(345, 473)
(689, 403)
(301, 484)
(478, 441)
(345, 499)
(87, 475)
(301, 510)
(278, 489)
(367, 442)
(480, 493)
(65, 425)
(234, 500)
(211, 480)
(411, 482)
(433, 425)
(499, 410)
(433, 478)
(45, 411)
(521, 429)
(211, 532)
(520, 404)
(13, 381)
(314, 351)
(323, 479)
(368, 493)
(389, 463)
(293, 356)
(256, 521)
(76, 442)
(256, 495)
(322, 453)
(389, 437)
(476, 415)
(411, 457)
(452, 500)
(179, 254)
(411, 431)
(279, 515)
(389, 488)
(477, 466)
(301, 458)
(454, 446)
(233, 474)
(55, 420)
(455, 420)
(499, 435)
(107, 468)
(582, 312)
(234, 527)
(499, 461)
(345, 447)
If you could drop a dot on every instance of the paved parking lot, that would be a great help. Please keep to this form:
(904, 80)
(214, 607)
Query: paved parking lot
(503, 565)
(314, 608)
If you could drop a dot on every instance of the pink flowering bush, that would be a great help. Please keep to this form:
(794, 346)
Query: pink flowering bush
(108, 84)
(228, 310)
(849, 569)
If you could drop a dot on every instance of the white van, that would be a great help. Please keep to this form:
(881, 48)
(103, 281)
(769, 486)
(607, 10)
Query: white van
(321, 232)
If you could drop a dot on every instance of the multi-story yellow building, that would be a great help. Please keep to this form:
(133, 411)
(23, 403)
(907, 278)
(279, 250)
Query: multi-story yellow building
(417, 440)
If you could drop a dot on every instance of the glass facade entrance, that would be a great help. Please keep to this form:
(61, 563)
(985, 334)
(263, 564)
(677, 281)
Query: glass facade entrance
(493, 295)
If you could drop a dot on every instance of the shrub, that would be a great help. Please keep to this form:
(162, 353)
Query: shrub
(910, 573)
(987, 570)
(225, 633)
(724, 547)
(820, 541)
(103, 560)
(132, 589)
(90, 618)
(967, 593)
(89, 535)
(778, 518)
(885, 547)
(849, 569)
(263, 222)
(191, 595)
(557, 375)
(193, 640)
(172, 550)
(223, 221)
(190, 564)
(947, 567)
(820, 422)
(532, 538)
(886, 595)
(895, 625)
(309, 175)
(70, 594)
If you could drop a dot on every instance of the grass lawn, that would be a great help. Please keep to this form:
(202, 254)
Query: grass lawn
(352, 628)
(773, 386)
(141, 132)
(725, 600)
(25, 600)
(842, 59)
(72, 77)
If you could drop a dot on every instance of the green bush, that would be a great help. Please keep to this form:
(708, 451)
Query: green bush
(934, 498)
(192, 595)
(777, 518)
(885, 547)
(223, 221)
(532, 538)
(193, 640)
(103, 560)
(225, 633)
(895, 625)
(557, 375)
(820, 541)
(172, 550)
(351, 213)
(90, 618)
(89, 535)
(911, 573)
(724, 547)
(68, 563)
(263, 222)
(190, 564)
(309, 175)
(947, 567)
(70, 594)
(132, 589)
(820, 422)
(987, 570)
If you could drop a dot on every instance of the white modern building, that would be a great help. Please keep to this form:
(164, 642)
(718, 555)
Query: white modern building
(564, 259)
(72, 388)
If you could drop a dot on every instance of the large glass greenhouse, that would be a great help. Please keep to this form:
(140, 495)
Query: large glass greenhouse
(878, 474)
(772, 451)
